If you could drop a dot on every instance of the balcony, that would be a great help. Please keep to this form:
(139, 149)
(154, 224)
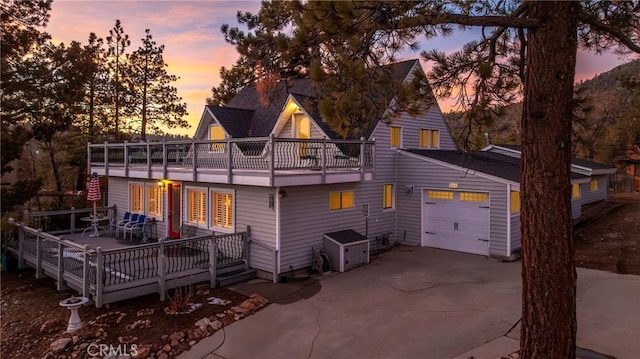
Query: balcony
(251, 161)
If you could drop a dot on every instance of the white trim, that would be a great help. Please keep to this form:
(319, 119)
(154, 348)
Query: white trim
(210, 208)
(509, 216)
(278, 234)
(141, 184)
(458, 168)
(286, 115)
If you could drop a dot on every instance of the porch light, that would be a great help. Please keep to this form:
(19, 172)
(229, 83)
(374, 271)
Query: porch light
(160, 183)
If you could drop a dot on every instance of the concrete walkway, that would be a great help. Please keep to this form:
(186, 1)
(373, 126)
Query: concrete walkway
(418, 303)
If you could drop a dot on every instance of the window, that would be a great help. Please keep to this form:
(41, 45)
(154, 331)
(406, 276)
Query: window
(302, 126)
(222, 209)
(197, 205)
(136, 198)
(474, 197)
(594, 185)
(341, 200)
(440, 194)
(429, 138)
(387, 196)
(575, 190)
(154, 200)
(216, 133)
(396, 136)
(515, 202)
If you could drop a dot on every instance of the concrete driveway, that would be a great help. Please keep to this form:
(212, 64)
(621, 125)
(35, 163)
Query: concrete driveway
(419, 303)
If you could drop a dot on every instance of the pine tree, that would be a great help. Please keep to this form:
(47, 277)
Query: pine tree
(117, 43)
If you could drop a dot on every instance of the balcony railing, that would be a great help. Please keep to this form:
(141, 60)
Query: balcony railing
(268, 155)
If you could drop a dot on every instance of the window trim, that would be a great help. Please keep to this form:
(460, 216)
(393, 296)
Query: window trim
(160, 192)
(187, 199)
(391, 137)
(392, 198)
(142, 202)
(342, 207)
(211, 216)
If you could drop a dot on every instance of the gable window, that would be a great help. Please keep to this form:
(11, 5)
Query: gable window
(515, 202)
(216, 133)
(387, 196)
(594, 185)
(302, 130)
(429, 138)
(395, 136)
(197, 205)
(575, 190)
(154, 200)
(341, 200)
(222, 211)
(136, 198)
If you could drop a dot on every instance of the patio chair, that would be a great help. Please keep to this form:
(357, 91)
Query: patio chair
(133, 217)
(114, 223)
(137, 226)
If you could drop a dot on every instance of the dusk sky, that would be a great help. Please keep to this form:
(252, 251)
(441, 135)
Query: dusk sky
(194, 46)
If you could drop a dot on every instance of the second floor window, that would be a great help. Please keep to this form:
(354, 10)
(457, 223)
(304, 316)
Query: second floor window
(395, 136)
(429, 138)
(341, 200)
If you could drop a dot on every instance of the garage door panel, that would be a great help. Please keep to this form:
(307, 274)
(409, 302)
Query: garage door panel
(450, 222)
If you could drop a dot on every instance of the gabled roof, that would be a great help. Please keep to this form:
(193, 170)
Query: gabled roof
(247, 115)
(494, 164)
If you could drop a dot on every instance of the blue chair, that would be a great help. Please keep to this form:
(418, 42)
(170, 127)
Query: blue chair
(132, 217)
(135, 226)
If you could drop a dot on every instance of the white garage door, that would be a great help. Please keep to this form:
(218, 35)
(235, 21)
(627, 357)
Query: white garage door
(457, 221)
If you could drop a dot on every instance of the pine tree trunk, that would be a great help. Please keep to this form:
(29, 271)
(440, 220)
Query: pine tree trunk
(548, 267)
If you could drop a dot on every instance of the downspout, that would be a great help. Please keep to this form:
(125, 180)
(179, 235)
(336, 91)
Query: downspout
(508, 220)
(276, 270)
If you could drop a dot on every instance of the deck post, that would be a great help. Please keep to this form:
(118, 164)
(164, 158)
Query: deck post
(72, 220)
(324, 159)
(99, 278)
(230, 162)
(60, 273)
(213, 260)
(85, 271)
(194, 157)
(106, 158)
(162, 284)
(126, 158)
(272, 157)
(165, 153)
(362, 158)
(38, 256)
(148, 159)
(21, 264)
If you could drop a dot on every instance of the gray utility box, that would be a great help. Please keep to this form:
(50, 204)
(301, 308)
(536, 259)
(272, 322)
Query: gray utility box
(346, 249)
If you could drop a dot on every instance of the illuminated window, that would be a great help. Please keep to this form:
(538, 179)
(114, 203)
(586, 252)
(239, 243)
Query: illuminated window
(594, 185)
(197, 205)
(387, 196)
(515, 202)
(440, 194)
(474, 197)
(341, 200)
(302, 126)
(154, 200)
(396, 136)
(575, 190)
(216, 133)
(222, 209)
(136, 198)
(429, 138)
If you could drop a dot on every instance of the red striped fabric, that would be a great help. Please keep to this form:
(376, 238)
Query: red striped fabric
(94, 189)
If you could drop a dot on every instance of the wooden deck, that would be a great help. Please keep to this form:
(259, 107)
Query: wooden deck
(108, 269)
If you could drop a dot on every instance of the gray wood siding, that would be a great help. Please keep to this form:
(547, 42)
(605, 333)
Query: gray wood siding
(424, 175)
(432, 120)
(119, 196)
(516, 235)
(251, 209)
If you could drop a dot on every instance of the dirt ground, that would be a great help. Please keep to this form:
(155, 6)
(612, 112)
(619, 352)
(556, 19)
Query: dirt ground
(612, 241)
(31, 318)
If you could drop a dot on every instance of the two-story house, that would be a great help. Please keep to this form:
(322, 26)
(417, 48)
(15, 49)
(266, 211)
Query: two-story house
(277, 167)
